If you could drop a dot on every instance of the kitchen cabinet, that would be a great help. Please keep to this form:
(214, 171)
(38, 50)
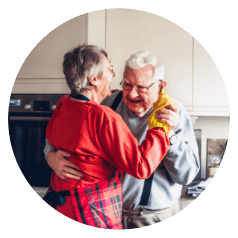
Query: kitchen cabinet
(185, 201)
(129, 31)
(45, 60)
(42, 70)
(191, 75)
(209, 92)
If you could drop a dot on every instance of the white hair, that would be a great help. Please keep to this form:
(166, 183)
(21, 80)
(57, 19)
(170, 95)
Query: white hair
(144, 58)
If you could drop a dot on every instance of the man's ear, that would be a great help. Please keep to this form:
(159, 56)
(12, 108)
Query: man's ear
(93, 80)
(163, 84)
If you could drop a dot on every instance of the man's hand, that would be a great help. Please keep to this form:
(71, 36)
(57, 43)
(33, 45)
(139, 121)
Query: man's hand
(170, 116)
(62, 167)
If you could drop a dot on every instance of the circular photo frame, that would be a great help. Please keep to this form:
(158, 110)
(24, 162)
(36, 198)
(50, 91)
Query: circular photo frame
(88, 8)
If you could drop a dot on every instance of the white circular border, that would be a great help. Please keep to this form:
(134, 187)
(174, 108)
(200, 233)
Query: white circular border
(99, 6)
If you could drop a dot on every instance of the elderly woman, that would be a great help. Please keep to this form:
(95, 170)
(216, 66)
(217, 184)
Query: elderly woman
(99, 141)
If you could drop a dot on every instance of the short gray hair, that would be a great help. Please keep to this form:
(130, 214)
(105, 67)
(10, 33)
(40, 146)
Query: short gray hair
(144, 58)
(81, 62)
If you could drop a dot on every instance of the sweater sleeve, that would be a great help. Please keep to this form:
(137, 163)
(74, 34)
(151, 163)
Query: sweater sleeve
(48, 147)
(120, 147)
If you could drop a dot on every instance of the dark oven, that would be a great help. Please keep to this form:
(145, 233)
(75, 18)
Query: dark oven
(28, 117)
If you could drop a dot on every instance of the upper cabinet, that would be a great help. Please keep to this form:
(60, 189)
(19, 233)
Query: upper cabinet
(209, 92)
(191, 75)
(45, 60)
(42, 71)
(129, 31)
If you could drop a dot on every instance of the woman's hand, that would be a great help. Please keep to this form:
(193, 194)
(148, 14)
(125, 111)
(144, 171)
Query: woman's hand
(57, 160)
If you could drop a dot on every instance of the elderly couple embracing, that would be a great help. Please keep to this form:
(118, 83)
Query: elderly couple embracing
(119, 159)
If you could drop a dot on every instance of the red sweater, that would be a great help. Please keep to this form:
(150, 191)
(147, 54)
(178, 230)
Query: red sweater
(99, 141)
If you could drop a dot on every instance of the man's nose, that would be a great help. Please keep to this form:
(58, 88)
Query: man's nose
(133, 93)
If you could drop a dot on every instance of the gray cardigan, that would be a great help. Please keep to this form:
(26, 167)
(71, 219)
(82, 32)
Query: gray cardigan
(179, 167)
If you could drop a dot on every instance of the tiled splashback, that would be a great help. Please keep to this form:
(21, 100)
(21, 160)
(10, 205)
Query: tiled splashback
(215, 147)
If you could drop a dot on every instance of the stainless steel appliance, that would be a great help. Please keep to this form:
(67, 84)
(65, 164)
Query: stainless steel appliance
(29, 115)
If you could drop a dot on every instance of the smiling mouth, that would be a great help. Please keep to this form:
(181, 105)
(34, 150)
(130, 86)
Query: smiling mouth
(134, 101)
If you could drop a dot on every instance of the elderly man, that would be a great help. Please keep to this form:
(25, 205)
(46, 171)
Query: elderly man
(146, 202)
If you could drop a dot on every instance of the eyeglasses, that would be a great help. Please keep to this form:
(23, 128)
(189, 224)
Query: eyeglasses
(140, 89)
(110, 68)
